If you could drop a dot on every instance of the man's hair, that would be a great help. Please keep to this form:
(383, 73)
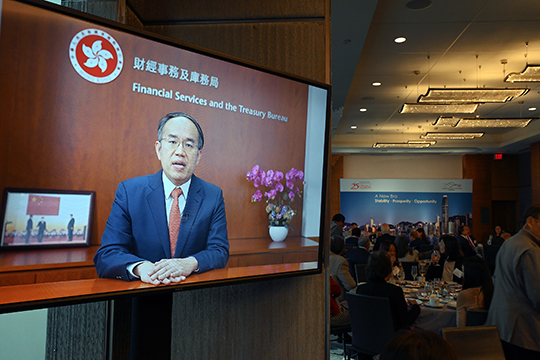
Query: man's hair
(338, 218)
(337, 244)
(170, 116)
(379, 266)
(460, 229)
(385, 228)
(417, 344)
(534, 211)
(364, 242)
(414, 234)
(356, 232)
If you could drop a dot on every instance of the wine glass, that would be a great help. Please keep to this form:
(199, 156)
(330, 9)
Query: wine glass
(401, 276)
(422, 270)
(414, 272)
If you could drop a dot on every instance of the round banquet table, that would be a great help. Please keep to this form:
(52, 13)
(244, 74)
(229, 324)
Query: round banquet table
(436, 318)
(432, 318)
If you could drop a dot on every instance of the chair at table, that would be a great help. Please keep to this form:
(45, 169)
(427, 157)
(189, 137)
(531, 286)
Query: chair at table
(407, 265)
(371, 324)
(476, 317)
(340, 331)
(475, 342)
(360, 271)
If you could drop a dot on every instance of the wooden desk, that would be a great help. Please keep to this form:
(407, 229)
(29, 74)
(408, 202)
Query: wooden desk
(31, 296)
(40, 266)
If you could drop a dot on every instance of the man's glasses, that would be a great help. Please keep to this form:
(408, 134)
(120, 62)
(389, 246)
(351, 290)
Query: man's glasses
(174, 144)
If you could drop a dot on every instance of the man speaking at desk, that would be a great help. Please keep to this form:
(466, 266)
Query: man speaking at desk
(165, 226)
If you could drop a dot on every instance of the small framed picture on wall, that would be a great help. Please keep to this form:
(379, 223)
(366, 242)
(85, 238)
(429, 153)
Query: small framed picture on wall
(33, 218)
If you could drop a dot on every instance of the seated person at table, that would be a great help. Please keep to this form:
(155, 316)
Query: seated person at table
(417, 241)
(353, 239)
(417, 345)
(496, 238)
(404, 252)
(477, 288)
(450, 259)
(339, 314)
(358, 255)
(339, 267)
(379, 271)
(390, 249)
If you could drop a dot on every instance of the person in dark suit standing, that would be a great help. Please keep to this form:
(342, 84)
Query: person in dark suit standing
(71, 225)
(42, 226)
(29, 227)
(466, 241)
(139, 241)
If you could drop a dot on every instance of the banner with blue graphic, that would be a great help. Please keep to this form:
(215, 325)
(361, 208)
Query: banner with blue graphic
(439, 206)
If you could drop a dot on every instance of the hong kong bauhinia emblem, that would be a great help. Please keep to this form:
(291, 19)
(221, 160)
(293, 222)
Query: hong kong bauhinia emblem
(96, 56)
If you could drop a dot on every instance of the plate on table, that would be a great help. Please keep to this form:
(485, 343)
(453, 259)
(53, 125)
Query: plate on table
(423, 298)
(434, 306)
(416, 301)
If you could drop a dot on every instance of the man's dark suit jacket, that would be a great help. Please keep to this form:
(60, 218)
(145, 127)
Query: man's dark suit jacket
(137, 228)
(381, 239)
(403, 318)
(356, 256)
(465, 246)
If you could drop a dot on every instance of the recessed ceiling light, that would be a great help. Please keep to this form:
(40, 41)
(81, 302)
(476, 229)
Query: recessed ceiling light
(353, 126)
(363, 110)
(376, 83)
(400, 39)
(532, 109)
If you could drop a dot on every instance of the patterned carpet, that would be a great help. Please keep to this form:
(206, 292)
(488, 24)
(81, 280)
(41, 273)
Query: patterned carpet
(336, 349)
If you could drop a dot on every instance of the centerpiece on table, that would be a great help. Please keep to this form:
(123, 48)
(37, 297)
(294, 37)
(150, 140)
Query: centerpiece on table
(279, 198)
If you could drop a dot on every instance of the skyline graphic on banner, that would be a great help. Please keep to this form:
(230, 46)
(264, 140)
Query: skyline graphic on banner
(396, 207)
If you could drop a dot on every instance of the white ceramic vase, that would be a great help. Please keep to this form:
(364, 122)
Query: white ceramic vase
(278, 233)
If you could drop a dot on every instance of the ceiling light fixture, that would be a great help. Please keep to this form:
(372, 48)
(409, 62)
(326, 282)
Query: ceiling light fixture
(532, 109)
(363, 110)
(451, 136)
(529, 74)
(446, 121)
(472, 95)
(438, 108)
(353, 126)
(400, 39)
(410, 144)
(477, 122)
(376, 83)
(492, 123)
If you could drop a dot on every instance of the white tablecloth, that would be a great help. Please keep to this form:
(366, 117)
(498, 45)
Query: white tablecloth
(436, 318)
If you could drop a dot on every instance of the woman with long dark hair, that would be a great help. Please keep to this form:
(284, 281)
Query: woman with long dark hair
(477, 288)
(450, 259)
(404, 251)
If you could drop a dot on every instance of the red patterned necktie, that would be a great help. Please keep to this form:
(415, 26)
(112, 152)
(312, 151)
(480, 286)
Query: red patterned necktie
(471, 243)
(174, 220)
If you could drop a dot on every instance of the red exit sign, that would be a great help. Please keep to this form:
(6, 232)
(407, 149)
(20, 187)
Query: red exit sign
(498, 156)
